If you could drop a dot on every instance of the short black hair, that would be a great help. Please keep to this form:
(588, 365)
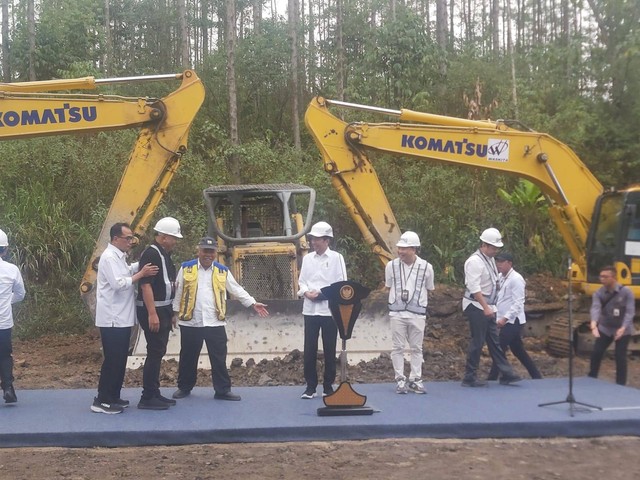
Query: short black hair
(503, 257)
(116, 229)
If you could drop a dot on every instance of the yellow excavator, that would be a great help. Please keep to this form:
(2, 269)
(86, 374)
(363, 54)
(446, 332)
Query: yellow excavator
(599, 227)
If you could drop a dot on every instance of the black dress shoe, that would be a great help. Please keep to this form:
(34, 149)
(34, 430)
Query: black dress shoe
(166, 400)
(474, 383)
(10, 395)
(152, 404)
(510, 380)
(181, 393)
(227, 396)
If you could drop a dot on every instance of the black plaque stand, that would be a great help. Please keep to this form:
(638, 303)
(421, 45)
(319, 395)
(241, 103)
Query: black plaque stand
(574, 405)
(345, 304)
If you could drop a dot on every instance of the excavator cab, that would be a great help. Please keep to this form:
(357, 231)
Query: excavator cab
(614, 238)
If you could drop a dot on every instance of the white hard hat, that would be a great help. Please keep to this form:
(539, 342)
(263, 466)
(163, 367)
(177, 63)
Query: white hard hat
(492, 236)
(321, 229)
(408, 239)
(168, 226)
(4, 240)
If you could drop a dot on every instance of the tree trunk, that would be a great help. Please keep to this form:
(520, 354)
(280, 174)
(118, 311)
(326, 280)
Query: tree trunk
(257, 16)
(183, 59)
(108, 41)
(514, 91)
(340, 61)
(31, 33)
(233, 163)
(6, 60)
(292, 13)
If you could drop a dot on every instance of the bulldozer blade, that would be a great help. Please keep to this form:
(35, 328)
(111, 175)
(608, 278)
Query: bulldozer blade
(251, 336)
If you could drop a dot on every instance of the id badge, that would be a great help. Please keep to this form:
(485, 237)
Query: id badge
(616, 312)
(405, 296)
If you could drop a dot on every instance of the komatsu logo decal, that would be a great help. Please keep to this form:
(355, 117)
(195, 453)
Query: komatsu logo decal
(65, 114)
(495, 150)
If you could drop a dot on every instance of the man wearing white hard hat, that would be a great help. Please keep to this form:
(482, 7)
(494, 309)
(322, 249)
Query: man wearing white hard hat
(11, 291)
(408, 279)
(479, 306)
(320, 268)
(154, 310)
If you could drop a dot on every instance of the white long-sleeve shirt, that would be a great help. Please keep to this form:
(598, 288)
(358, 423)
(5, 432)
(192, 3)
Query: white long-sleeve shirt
(510, 302)
(204, 310)
(320, 271)
(115, 291)
(11, 291)
(480, 275)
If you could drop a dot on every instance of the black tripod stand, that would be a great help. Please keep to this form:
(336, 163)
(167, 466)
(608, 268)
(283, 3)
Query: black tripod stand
(571, 400)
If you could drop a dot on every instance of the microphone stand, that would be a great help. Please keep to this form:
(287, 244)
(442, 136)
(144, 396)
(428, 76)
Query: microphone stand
(571, 400)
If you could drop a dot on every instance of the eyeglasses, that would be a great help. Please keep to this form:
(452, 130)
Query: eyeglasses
(128, 238)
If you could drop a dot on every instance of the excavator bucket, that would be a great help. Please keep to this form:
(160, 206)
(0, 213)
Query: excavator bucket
(261, 238)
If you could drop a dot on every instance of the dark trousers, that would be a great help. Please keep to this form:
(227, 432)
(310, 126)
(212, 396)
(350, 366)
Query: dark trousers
(600, 346)
(156, 348)
(483, 330)
(115, 348)
(511, 338)
(191, 339)
(6, 360)
(313, 324)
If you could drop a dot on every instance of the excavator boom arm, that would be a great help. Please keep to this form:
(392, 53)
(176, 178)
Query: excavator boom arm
(538, 157)
(27, 111)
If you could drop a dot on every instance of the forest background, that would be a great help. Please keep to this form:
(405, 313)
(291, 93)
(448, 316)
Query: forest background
(570, 68)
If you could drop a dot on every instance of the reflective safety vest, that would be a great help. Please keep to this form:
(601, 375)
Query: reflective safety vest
(415, 304)
(190, 289)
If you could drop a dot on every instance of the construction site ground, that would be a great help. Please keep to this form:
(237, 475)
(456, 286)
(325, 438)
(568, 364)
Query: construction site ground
(74, 362)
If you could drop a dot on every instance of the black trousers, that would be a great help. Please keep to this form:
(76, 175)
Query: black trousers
(510, 337)
(313, 324)
(191, 339)
(483, 330)
(6, 360)
(115, 348)
(156, 348)
(600, 346)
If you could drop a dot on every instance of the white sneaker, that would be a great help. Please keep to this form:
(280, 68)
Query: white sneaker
(401, 388)
(416, 387)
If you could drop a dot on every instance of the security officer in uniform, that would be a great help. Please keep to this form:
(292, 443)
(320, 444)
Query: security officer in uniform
(200, 307)
(153, 308)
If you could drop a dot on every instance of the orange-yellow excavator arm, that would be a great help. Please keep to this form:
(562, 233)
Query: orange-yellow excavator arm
(26, 111)
(555, 168)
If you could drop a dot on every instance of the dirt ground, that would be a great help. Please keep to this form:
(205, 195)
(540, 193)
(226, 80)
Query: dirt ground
(74, 362)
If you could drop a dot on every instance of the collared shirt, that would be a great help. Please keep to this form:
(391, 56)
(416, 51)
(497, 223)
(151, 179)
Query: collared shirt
(480, 275)
(510, 300)
(622, 299)
(115, 291)
(11, 291)
(319, 271)
(407, 280)
(204, 310)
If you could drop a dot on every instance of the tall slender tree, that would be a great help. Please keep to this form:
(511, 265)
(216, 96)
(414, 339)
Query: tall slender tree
(292, 14)
(233, 161)
(6, 60)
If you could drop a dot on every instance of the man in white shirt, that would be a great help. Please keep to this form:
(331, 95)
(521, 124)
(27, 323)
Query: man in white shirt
(320, 268)
(479, 306)
(408, 279)
(11, 291)
(200, 308)
(116, 315)
(510, 314)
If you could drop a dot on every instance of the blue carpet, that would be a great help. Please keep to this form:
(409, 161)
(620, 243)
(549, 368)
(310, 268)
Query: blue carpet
(277, 414)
